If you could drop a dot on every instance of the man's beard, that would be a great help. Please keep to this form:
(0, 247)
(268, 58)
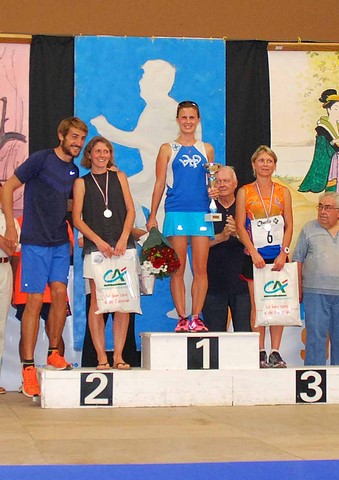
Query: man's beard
(67, 150)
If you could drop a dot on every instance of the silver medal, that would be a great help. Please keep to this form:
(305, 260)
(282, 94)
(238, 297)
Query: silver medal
(108, 213)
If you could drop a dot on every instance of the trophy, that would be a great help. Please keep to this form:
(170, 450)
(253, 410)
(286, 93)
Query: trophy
(211, 169)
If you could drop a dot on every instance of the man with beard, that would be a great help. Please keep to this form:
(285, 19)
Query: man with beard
(48, 176)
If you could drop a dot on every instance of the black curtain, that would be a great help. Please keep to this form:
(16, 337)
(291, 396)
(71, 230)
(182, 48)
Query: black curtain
(51, 88)
(247, 104)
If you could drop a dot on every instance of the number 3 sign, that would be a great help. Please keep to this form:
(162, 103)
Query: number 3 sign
(311, 386)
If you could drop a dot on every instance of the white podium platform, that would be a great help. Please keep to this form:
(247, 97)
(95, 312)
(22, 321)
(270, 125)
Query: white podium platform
(190, 369)
(186, 351)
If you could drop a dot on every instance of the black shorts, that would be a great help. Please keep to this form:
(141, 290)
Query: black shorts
(247, 267)
(43, 313)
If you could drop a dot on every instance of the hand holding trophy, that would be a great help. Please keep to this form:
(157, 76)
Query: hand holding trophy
(211, 169)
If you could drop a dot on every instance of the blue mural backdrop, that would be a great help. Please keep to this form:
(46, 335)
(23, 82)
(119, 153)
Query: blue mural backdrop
(127, 90)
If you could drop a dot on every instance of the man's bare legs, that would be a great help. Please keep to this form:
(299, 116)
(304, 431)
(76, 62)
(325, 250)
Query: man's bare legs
(30, 326)
(57, 313)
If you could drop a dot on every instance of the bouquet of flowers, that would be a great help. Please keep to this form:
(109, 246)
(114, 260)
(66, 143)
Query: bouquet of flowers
(157, 257)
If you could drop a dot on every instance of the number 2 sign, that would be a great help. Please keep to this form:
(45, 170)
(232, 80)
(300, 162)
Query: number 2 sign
(96, 389)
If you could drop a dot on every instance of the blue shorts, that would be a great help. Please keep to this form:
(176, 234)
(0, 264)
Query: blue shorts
(44, 265)
(187, 224)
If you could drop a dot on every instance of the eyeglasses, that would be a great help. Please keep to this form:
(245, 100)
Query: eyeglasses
(327, 208)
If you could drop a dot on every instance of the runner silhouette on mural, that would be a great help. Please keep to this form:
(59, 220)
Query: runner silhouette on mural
(323, 173)
(155, 126)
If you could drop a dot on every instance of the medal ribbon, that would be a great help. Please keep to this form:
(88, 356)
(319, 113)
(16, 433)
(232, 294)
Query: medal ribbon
(267, 213)
(104, 195)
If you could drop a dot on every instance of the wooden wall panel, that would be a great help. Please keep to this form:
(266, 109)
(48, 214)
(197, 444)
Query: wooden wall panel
(289, 20)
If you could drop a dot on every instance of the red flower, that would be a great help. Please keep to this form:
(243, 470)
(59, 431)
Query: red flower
(162, 257)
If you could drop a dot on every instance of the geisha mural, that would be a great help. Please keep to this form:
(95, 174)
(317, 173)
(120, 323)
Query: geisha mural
(305, 119)
(323, 172)
(305, 136)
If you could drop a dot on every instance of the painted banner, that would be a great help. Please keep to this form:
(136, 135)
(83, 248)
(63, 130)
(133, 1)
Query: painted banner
(300, 85)
(14, 68)
(127, 89)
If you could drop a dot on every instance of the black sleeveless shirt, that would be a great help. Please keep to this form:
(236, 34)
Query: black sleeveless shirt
(109, 229)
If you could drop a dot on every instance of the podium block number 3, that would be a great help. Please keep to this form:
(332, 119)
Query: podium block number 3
(96, 389)
(311, 386)
(202, 353)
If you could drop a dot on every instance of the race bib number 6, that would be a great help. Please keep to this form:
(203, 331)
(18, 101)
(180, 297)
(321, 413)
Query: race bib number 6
(267, 231)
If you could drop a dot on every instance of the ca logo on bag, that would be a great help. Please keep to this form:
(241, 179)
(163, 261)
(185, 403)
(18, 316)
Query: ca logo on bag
(275, 288)
(115, 278)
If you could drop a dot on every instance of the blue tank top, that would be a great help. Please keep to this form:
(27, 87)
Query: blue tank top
(186, 179)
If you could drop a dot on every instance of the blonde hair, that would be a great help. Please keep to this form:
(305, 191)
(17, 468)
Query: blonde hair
(262, 148)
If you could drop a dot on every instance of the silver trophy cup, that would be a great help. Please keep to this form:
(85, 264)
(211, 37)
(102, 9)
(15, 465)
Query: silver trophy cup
(211, 169)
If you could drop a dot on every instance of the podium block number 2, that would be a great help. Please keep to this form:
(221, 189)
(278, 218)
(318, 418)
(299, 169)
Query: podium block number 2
(202, 353)
(96, 389)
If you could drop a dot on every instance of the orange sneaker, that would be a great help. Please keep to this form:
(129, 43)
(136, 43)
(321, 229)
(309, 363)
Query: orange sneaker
(57, 362)
(30, 385)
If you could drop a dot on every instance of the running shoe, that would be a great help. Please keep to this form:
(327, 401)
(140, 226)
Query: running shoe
(197, 326)
(263, 359)
(30, 385)
(182, 326)
(57, 362)
(275, 361)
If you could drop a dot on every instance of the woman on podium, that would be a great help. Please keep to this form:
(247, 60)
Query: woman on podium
(179, 167)
(261, 200)
(103, 211)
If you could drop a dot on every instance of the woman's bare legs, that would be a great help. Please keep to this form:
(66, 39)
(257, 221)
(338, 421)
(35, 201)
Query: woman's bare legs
(275, 331)
(178, 289)
(120, 327)
(97, 326)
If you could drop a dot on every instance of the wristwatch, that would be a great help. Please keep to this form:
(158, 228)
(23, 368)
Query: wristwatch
(286, 250)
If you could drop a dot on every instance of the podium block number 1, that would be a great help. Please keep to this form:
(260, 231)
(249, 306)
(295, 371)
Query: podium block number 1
(202, 353)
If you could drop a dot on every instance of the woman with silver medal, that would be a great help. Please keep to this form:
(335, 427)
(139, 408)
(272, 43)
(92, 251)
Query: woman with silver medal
(264, 223)
(103, 211)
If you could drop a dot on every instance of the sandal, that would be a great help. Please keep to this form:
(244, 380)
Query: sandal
(103, 366)
(122, 366)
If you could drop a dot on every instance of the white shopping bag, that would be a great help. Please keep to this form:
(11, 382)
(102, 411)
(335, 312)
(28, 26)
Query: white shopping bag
(117, 283)
(276, 296)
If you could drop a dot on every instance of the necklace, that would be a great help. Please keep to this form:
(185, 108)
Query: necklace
(107, 211)
(267, 225)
